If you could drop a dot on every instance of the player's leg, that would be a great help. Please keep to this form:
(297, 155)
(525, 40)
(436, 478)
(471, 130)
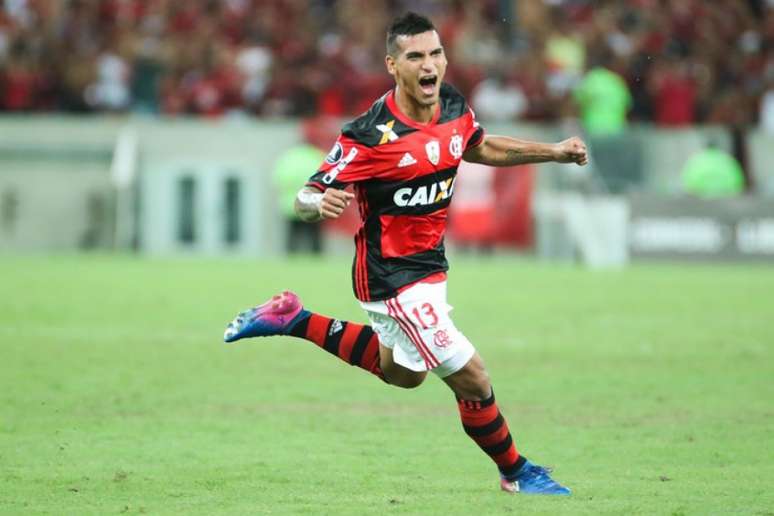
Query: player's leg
(485, 424)
(432, 341)
(396, 374)
(481, 418)
(356, 344)
(283, 314)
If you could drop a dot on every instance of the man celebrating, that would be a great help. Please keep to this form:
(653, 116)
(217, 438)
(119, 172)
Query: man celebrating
(401, 158)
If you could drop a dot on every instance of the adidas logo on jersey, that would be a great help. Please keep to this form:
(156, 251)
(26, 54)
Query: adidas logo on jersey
(406, 160)
(424, 195)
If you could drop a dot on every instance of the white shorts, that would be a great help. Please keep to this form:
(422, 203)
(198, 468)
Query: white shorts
(416, 326)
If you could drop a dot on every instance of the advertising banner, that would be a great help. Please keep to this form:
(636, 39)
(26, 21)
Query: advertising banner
(723, 229)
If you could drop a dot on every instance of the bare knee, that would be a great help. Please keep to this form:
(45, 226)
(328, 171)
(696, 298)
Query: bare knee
(396, 374)
(472, 381)
(405, 380)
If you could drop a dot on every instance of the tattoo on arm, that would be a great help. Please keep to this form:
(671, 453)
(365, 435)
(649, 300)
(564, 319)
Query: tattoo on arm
(512, 156)
(503, 151)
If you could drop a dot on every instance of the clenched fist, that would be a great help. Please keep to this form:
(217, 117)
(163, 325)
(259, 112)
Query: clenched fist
(334, 202)
(572, 150)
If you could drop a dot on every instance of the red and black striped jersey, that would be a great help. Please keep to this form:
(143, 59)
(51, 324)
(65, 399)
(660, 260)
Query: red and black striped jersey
(403, 176)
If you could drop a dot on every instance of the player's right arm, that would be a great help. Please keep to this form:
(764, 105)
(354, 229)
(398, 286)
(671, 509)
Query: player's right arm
(313, 205)
(324, 195)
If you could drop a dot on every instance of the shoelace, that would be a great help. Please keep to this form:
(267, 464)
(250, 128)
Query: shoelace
(540, 478)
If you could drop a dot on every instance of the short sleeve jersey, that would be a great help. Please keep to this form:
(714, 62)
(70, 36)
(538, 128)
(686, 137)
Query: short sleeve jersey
(403, 175)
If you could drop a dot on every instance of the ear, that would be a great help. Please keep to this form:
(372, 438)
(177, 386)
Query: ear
(389, 61)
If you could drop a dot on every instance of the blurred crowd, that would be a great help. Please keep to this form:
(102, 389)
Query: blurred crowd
(682, 61)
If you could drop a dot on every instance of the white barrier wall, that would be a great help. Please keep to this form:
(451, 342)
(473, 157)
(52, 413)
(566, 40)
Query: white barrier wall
(199, 186)
(205, 186)
(55, 192)
(760, 147)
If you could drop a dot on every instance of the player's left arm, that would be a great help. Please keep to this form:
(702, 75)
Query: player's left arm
(504, 151)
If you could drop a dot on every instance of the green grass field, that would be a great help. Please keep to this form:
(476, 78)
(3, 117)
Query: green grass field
(650, 391)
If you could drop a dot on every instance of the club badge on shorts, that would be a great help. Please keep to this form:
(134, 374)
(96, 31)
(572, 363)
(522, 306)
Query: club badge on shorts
(433, 149)
(441, 339)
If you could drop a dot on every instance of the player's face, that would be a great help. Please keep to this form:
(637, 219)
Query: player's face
(419, 67)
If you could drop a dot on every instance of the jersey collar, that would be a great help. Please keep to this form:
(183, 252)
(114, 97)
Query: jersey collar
(393, 107)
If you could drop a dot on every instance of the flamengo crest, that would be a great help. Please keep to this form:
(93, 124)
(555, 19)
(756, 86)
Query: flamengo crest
(455, 146)
(441, 339)
(433, 149)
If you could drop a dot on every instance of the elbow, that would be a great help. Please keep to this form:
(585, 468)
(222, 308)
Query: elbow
(473, 156)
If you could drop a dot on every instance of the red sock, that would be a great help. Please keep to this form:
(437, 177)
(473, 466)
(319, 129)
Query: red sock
(354, 343)
(484, 424)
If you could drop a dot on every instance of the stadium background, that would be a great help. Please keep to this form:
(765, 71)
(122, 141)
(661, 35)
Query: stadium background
(626, 313)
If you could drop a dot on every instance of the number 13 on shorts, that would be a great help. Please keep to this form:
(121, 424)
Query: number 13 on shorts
(425, 315)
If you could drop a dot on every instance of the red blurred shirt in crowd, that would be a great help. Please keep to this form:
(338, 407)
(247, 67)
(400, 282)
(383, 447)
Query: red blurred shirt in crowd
(19, 85)
(675, 99)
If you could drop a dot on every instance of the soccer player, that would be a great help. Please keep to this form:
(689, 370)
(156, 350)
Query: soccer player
(401, 158)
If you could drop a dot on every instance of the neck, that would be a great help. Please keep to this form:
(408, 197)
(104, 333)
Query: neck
(414, 110)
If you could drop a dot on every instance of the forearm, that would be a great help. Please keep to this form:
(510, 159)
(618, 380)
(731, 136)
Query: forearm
(504, 151)
(307, 206)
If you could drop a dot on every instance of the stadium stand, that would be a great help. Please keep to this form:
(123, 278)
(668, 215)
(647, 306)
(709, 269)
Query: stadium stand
(685, 61)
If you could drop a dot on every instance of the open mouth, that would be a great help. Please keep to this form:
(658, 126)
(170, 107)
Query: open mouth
(427, 84)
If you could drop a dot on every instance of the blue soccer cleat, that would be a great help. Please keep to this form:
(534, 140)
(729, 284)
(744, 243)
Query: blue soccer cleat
(533, 479)
(275, 317)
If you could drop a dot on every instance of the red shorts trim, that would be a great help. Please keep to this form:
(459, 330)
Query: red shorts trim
(436, 277)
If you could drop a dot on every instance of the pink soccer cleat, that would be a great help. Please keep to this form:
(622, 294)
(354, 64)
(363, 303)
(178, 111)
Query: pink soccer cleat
(275, 317)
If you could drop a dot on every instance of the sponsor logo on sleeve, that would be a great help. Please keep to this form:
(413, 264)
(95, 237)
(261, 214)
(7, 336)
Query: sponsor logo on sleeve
(331, 175)
(334, 156)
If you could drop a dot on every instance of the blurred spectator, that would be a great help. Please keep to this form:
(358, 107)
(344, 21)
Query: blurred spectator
(713, 173)
(604, 101)
(674, 94)
(767, 109)
(254, 63)
(20, 82)
(496, 100)
(294, 166)
(565, 55)
(767, 112)
(685, 61)
(110, 91)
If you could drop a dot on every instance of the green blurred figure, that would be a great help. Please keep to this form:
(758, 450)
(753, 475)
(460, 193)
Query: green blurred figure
(293, 168)
(604, 101)
(713, 173)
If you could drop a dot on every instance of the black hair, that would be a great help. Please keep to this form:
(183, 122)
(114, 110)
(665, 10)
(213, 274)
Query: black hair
(407, 24)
